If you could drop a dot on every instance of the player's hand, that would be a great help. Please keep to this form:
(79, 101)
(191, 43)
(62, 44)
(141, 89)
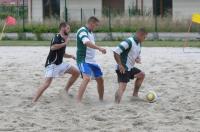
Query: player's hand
(102, 50)
(73, 57)
(66, 36)
(121, 69)
(138, 60)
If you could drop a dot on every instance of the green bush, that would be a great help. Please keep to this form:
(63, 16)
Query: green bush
(118, 24)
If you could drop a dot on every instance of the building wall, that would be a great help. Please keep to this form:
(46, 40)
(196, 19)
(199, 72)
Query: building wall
(181, 8)
(74, 8)
(185, 8)
(62, 10)
(13, 2)
(29, 10)
(128, 4)
(37, 11)
(147, 5)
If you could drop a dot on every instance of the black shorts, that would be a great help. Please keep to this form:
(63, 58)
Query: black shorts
(125, 78)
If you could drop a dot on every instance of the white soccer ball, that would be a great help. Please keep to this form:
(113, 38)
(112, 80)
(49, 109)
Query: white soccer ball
(151, 96)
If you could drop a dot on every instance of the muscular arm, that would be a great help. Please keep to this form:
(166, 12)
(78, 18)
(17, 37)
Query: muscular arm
(117, 52)
(69, 56)
(117, 58)
(86, 41)
(93, 46)
(119, 62)
(58, 46)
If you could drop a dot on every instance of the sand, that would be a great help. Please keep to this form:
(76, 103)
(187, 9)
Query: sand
(172, 74)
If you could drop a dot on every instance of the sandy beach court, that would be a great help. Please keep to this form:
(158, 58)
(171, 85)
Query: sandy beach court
(172, 74)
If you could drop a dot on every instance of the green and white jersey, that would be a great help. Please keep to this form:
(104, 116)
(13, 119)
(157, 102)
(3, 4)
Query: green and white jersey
(85, 54)
(129, 50)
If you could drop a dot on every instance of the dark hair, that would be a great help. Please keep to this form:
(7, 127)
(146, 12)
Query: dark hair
(63, 24)
(93, 19)
(142, 30)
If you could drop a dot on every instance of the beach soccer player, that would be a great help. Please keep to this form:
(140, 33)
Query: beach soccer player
(88, 67)
(54, 66)
(126, 54)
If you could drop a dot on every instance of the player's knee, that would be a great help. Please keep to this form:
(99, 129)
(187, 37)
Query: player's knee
(142, 75)
(86, 78)
(76, 74)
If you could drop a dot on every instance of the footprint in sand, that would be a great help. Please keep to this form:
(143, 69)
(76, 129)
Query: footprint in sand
(189, 117)
(75, 121)
(98, 118)
(138, 99)
(7, 129)
(138, 123)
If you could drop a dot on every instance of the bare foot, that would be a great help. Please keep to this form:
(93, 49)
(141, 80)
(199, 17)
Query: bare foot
(70, 95)
(117, 98)
(34, 101)
(101, 99)
(135, 94)
(78, 101)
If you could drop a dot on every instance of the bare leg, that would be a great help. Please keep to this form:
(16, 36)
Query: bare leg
(42, 88)
(139, 79)
(74, 75)
(82, 87)
(119, 92)
(100, 87)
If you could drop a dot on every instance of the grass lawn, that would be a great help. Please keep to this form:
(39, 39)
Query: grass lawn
(102, 43)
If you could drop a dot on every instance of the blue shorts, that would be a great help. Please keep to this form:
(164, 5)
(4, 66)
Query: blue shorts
(92, 70)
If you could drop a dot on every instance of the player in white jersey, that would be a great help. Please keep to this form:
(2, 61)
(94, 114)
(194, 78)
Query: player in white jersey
(88, 67)
(126, 54)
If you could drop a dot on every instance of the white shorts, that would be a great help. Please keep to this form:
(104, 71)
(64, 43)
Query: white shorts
(54, 70)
